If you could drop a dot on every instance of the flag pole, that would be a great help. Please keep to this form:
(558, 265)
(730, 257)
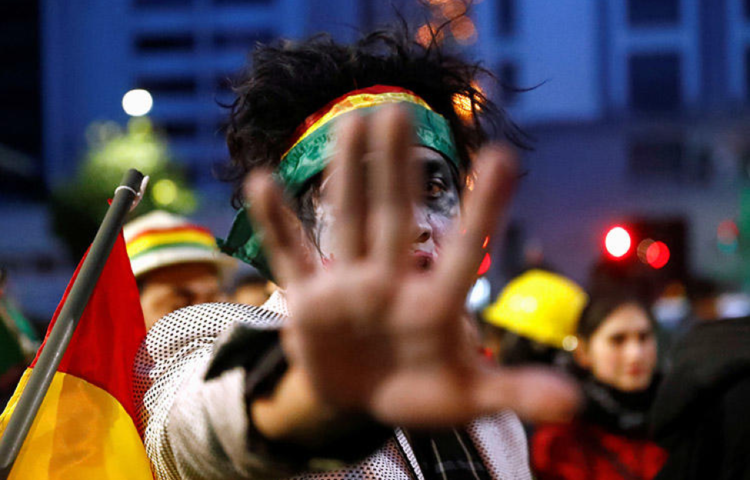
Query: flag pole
(130, 190)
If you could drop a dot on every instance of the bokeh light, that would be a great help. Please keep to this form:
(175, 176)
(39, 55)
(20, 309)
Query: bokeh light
(657, 255)
(428, 33)
(164, 192)
(484, 267)
(137, 102)
(617, 242)
(464, 31)
(462, 104)
(727, 236)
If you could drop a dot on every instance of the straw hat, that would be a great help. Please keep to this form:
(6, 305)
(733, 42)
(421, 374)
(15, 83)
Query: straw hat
(159, 239)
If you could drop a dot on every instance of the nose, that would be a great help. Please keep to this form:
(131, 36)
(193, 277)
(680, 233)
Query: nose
(635, 351)
(422, 226)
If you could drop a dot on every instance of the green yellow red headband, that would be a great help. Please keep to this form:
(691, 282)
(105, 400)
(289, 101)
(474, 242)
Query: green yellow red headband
(313, 145)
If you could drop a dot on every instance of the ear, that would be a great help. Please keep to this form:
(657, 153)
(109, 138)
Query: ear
(581, 354)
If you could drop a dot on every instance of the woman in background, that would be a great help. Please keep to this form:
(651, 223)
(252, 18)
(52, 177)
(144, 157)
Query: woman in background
(615, 360)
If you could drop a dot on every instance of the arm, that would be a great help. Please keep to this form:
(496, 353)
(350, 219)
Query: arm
(198, 366)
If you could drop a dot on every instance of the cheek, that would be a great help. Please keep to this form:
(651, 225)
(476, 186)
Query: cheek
(440, 225)
(442, 218)
(605, 360)
(650, 354)
(157, 302)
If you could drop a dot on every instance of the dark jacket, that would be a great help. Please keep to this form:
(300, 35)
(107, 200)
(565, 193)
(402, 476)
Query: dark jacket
(701, 414)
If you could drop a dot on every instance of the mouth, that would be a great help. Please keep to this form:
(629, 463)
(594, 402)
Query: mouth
(423, 261)
(636, 371)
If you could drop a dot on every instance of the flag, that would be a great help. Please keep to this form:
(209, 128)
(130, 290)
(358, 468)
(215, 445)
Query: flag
(86, 426)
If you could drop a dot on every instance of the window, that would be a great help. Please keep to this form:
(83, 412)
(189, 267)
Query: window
(21, 168)
(656, 158)
(669, 159)
(168, 86)
(243, 2)
(506, 12)
(508, 76)
(243, 40)
(163, 3)
(655, 82)
(180, 129)
(154, 43)
(653, 12)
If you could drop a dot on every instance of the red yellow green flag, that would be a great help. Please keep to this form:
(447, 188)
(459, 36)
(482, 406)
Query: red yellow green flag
(86, 426)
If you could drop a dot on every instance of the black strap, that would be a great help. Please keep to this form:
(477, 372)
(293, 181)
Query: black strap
(447, 455)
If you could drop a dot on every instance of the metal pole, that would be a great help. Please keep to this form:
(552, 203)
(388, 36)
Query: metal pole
(70, 313)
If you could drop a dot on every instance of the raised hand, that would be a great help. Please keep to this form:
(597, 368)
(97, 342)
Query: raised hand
(373, 332)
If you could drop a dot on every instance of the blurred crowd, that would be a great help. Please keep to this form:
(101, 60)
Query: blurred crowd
(663, 377)
(663, 399)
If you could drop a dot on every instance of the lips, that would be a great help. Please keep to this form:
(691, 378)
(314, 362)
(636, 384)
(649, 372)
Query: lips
(423, 260)
(636, 371)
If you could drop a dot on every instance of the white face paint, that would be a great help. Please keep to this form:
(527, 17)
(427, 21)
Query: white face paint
(434, 214)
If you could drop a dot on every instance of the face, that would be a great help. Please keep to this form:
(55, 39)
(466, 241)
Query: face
(252, 294)
(434, 213)
(622, 351)
(170, 288)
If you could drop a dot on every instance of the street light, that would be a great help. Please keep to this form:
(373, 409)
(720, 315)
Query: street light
(137, 102)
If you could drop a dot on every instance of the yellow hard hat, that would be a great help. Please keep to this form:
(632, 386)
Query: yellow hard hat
(541, 306)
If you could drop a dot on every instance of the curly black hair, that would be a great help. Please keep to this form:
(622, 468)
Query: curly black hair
(288, 81)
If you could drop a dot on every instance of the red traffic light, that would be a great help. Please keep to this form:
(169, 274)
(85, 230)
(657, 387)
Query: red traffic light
(485, 265)
(617, 242)
(657, 254)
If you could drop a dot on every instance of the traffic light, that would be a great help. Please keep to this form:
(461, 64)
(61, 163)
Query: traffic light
(644, 250)
(617, 242)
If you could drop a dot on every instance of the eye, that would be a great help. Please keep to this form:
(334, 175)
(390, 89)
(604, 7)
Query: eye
(434, 188)
(617, 340)
(644, 336)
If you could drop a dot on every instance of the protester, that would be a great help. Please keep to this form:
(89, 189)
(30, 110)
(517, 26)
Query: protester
(252, 289)
(616, 361)
(18, 342)
(373, 276)
(534, 318)
(700, 411)
(176, 263)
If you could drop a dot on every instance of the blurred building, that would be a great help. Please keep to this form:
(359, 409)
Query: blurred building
(640, 112)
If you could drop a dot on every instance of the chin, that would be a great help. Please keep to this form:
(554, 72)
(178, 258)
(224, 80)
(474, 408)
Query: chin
(635, 384)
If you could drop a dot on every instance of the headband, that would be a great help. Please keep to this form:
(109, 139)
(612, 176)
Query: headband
(313, 145)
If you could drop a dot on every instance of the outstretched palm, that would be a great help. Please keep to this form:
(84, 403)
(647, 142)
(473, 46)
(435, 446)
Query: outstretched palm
(373, 333)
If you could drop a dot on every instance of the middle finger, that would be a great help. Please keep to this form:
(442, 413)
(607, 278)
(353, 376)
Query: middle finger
(392, 185)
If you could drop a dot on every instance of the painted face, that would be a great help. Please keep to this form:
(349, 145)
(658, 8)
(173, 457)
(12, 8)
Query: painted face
(434, 213)
(622, 351)
(170, 288)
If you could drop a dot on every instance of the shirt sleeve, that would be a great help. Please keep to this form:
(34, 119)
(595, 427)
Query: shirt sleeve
(199, 366)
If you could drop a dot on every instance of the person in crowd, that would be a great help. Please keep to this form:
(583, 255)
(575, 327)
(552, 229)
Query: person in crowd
(361, 365)
(18, 342)
(700, 412)
(176, 263)
(534, 319)
(616, 362)
(252, 289)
